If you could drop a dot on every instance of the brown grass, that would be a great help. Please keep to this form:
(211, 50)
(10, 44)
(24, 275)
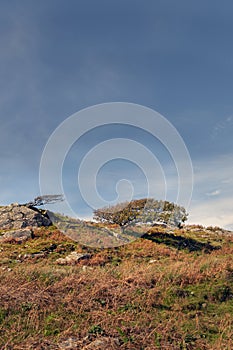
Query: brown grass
(148, 295)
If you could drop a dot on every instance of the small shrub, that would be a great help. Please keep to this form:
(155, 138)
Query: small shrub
(96, 329)
(223, 293)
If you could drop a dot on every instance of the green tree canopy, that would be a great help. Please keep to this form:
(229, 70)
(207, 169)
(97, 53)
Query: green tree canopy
(145, 211)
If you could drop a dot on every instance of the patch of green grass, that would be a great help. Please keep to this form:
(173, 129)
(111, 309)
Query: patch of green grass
(52, 325)
(125, 338)
(3, 315)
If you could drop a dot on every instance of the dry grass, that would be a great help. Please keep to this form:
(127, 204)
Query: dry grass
(150, 294)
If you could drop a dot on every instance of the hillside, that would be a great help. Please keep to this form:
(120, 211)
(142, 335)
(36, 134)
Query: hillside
(170, 289)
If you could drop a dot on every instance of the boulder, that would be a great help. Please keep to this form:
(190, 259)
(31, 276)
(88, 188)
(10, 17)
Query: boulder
(72, 259)
(19, 236)
(15, 216)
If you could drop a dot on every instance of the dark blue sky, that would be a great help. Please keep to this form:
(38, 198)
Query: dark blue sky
(57, 57)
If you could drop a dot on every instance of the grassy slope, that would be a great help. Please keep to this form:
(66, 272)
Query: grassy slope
(164, 291)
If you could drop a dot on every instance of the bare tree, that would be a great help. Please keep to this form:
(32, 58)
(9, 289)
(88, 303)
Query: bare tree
(46, 199)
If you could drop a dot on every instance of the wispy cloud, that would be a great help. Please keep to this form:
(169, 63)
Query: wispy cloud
(213, 171)
(221, 126)
(215, 212)
(208, 206)
(213, 193)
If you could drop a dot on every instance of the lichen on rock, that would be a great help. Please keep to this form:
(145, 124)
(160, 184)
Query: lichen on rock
(16, 216)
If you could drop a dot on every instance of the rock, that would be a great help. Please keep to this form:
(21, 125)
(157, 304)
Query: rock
(69, 344)
(103, 343)
(152, 261)
(19, 236)
(38, 255)
(72, 258)
(87, 268)
(6, 269)
(15, 216)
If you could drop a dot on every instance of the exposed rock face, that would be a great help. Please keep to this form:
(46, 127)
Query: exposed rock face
(19, 236)
(15, 216)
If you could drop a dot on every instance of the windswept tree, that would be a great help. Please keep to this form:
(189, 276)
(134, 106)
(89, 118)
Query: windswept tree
(46, 199)
(163, 211)
(144, 211)
(122, 214)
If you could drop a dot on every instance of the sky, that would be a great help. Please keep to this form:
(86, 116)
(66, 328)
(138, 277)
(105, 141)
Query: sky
(175, 57)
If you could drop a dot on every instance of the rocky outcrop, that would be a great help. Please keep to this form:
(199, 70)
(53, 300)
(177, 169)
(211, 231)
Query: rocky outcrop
(18, 236)
(15, 216)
